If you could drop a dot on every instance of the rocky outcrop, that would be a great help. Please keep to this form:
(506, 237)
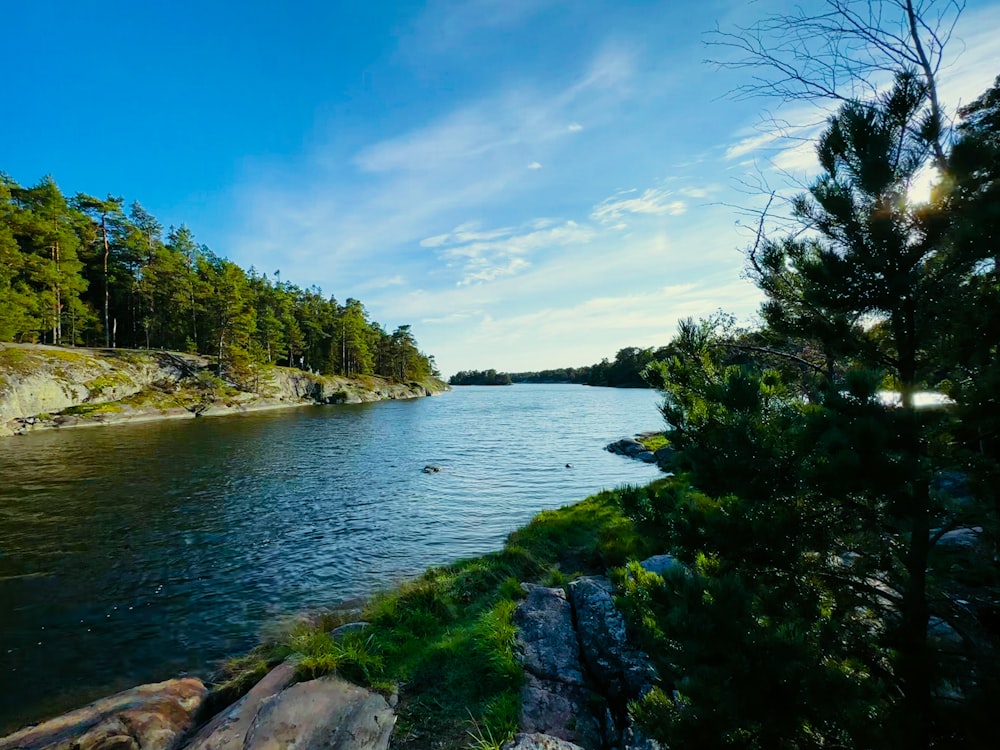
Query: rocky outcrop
(621, 671)
(580, 669)
(327, 713)
(45, 380)
(635, 449)
(45, 387)
(229, 728)
(323, 714)
(555, 698)
(148, 717)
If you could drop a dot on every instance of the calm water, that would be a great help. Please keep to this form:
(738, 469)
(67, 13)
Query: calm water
(135, 553)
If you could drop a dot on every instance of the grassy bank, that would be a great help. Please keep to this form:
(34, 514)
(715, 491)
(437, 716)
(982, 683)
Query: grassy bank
(444, 642)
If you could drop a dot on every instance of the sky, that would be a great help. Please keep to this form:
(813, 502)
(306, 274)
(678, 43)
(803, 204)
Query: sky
(529, 184)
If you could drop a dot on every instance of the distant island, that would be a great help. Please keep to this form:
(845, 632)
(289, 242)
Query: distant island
(626, 371)
(480, 377)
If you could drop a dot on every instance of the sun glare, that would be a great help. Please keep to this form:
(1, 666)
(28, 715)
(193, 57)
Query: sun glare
(921, 187)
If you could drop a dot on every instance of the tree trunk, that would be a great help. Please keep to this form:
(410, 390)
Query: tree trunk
(107, 253)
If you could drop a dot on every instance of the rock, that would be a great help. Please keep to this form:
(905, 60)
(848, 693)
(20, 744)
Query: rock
(969, 538)
(942, 635)
(665, 456)
(625, 447)
(326, 713)
(646, 456)
(621, 671)
(147, 717)
(660, 564)
(350, 627)
(636, 740)
(431, 469)
(555, 700)
(228, 729)
(559, 710)
(549, 647)
(538, 741)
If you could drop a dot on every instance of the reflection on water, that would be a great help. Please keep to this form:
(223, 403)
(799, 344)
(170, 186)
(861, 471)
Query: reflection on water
(134, 553)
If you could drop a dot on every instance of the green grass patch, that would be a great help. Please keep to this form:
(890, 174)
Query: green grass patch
(654, 442)
(106, 382)
(446, 640)
(92, 410)
(241, 673)
(15, 360)
(593, 535)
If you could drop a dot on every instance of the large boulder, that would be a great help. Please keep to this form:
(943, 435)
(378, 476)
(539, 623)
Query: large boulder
(548, 645)
(148, 717)
(555, 700)
(621, 671)
(229, 728)
(327, 713)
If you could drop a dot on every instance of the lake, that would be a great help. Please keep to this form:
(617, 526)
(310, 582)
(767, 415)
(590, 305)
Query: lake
(136, 553)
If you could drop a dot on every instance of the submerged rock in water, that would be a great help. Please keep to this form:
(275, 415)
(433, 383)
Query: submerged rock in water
(147, 717)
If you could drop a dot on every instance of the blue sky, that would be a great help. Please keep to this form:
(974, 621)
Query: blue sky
(529, 184)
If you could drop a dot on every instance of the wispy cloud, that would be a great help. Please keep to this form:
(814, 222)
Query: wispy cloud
(481, 257)
(383, 282)
(653, 201)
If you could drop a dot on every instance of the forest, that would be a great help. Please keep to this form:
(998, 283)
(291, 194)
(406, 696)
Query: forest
(87, 271)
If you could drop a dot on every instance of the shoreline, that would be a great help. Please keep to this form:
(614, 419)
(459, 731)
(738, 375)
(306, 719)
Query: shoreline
(392, 641)
(46, 387)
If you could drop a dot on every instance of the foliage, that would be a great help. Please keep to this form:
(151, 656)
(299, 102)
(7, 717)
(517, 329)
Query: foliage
(805, 509)
(480, 377)
(89, 271)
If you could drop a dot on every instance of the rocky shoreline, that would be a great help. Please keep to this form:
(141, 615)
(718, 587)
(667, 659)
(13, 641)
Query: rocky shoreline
(580, 673)
(47, 387)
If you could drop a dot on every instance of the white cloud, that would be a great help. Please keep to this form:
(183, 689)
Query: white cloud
(751, 144)
(480, 270)
(534, 165)
(574, 127)
(973, 69)
(486, 256)
(654, 201)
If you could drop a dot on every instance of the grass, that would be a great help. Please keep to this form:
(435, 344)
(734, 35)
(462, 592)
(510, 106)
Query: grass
(91, 410)
(105, 382)
(654, 442)
(445, 641)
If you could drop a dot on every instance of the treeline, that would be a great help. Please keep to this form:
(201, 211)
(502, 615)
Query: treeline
(558, 375)
(88, 271)
(626, 371)
(479, 377)
(838, 584)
